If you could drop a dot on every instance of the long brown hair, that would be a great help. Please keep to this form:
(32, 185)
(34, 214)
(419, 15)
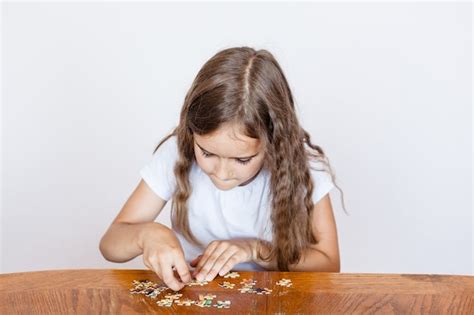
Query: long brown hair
(244, 86)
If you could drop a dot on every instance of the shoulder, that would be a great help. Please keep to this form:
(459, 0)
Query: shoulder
(163, 158)
(318, 167)
(167, 152)
(158, 172)
(169, 146)
(321, 177)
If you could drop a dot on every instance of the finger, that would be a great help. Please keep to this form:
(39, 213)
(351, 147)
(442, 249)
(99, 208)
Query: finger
(150, 267)
(229, 253)
(205, 264)
(229, 264)
(169, 278)
(203, 260)
(153, 266)
(206, 268)
(195, 261)
(183, 270)
(194, 264)
(210, 248)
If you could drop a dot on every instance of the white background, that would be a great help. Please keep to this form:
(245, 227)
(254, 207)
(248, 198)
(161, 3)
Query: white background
(89, 89)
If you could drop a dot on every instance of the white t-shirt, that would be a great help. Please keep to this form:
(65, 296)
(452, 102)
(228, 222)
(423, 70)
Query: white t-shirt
(214, 214)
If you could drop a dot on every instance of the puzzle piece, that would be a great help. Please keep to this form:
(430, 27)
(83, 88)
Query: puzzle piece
(261, 291)
(232, 275)
(222, 304)
(147, 288)
(185, 302)
(204, 303)
(208, 296)
(248, 282)
(247, 286)
(247, 290)
(284, 283)
(165, 302)
(205, 300)
(175, 296)
(227, 285)
(194, 282)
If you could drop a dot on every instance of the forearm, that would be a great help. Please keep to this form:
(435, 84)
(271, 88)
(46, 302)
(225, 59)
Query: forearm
(121, 242)
(312, 260)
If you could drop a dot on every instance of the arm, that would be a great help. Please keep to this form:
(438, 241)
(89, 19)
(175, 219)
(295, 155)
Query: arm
(124, 238)
(221, 256)
(134, 232)
(324, 256)
(124, 241)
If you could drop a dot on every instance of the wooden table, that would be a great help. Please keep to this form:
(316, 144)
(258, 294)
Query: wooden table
(87, 291)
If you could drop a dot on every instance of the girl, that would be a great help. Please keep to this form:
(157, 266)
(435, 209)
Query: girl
(242, 175)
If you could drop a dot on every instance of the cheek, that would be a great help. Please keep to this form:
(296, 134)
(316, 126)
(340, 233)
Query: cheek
(207, 165)
(249, 170)
(204, 163)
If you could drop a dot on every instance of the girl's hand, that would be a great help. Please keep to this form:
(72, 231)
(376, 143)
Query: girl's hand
(162, 253)
(195, 261)
(221, 256)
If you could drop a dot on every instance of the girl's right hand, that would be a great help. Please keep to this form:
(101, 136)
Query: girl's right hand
(162, 253)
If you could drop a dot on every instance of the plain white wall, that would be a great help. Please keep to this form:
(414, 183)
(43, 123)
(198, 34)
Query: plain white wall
(89, 90)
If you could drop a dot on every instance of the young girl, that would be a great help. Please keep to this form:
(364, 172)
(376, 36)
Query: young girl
(244, 181)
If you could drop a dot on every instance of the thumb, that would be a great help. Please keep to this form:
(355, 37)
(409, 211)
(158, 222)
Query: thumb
(195, 261)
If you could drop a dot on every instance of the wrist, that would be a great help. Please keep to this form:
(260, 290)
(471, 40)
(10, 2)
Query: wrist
(253, 249)
(144, 232)
(264, 248)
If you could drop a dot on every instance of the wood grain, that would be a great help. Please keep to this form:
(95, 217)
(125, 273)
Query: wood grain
(91, 291)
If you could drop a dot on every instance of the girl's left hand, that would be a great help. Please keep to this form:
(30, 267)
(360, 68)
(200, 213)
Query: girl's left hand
(221, 256)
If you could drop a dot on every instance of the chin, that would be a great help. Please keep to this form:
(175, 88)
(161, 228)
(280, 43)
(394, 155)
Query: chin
(224, 187)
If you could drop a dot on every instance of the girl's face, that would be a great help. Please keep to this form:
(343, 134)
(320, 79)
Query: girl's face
(228, 157)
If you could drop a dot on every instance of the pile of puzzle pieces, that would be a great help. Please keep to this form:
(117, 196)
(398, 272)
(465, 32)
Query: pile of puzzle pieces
(152, 290)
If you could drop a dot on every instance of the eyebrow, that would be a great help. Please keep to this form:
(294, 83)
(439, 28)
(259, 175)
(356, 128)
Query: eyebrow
(242, 157)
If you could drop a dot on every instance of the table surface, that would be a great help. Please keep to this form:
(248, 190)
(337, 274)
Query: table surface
(93, 291)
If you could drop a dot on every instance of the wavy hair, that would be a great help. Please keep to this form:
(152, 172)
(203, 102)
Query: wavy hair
(248, 87)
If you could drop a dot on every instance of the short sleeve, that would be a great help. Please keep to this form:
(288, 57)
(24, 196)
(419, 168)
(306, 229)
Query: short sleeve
(158, 172)
(322, 180)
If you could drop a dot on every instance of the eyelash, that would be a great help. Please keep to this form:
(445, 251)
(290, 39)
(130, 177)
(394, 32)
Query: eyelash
(238, 161)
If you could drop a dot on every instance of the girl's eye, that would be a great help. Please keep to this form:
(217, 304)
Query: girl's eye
(243, 162)
(206, 154)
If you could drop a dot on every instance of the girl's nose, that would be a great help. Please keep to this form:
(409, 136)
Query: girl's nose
(223, 172)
